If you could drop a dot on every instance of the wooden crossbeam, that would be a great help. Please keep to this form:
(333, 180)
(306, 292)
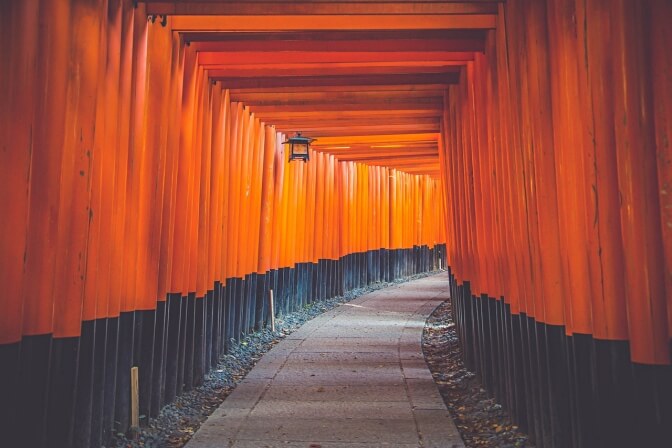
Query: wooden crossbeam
(341, 81)
(390, 88)
(374, 102)
(274, 42)
(209, 58)
(391, 159)
(321, 106)
(342, 96)
(283, 70)
(382, 139)
(335, 132)
(317, 8)
(288, 22)
(335, 115)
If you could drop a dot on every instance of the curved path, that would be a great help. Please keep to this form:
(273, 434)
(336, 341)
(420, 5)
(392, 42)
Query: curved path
(353, 377)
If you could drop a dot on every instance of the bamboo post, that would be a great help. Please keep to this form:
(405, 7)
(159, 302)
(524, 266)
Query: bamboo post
(135, 402)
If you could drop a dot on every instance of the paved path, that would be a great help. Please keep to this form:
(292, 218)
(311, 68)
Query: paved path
(354, 377)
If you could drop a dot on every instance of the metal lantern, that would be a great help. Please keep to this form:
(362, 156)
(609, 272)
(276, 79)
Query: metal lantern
(298, 147)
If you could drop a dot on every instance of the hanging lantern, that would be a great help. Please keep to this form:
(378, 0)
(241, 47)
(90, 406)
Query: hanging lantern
(298, 147)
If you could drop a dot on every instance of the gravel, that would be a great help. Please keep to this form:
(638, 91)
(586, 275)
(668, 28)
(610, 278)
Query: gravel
(481, 421)
(178, 421)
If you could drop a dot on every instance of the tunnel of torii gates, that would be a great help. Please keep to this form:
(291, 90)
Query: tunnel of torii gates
(148, 206)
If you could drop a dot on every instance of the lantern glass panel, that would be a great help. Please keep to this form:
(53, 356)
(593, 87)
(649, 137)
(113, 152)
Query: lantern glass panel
(300, 149)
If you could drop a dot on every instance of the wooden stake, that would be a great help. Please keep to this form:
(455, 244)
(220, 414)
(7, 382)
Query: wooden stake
(272, 309)
(135, 403)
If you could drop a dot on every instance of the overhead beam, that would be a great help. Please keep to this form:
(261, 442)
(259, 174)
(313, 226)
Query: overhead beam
(356, 122)
(408, 167)
(406, 162)
(270, 117)
(365, 151)
(386, 158)
(355, 80)
(377, 153)
(208, 58)
(359, 149)
(390, 102)
(358, 127)
(280, 70)
(345, 96)
(343, 88)
(317, 107)
(288, 22)
(336, 132)
(374, 43)
(353, 132)
(312, 8)
(375, 139)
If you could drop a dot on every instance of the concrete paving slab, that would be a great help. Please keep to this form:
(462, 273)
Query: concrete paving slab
(437, 429)
(333, 409)
(327, 379)
(354, 377)
(330, 430)
(424, 394)
(351, 358)
(281, 444)
(345, 393)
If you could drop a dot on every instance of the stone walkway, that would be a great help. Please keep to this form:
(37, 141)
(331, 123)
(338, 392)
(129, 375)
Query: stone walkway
(352, 377)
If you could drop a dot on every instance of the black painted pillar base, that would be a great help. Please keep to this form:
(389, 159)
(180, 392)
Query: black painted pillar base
(62, 386)
(84, 392)
(564, 390)
(122, 402)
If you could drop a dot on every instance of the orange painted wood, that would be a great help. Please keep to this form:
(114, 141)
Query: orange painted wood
(383, 87)
(216, 182)
(523, 201)
(284, 227)
(332, 235)
(308, 8)
(311, 210)
(608, 301)
(193, 164)
(325, 82)
(226, 181)
(287, 58)
(119, 254)
(538, 103)
(75, 173)
(637, 178)
(233, 72)
(278, 176)
(132, 231)
(570, 162)
(156, 165)
(256, 194)
(17, 25)
(662, 109)
(203, 282)
(339, 41)
(101, 157)
(198, 199)
(45, 150)
(267, 194)
(150, 182)
(110, 220)
(179, 247)
(286, 22)
(233, 188)
(345, 96)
